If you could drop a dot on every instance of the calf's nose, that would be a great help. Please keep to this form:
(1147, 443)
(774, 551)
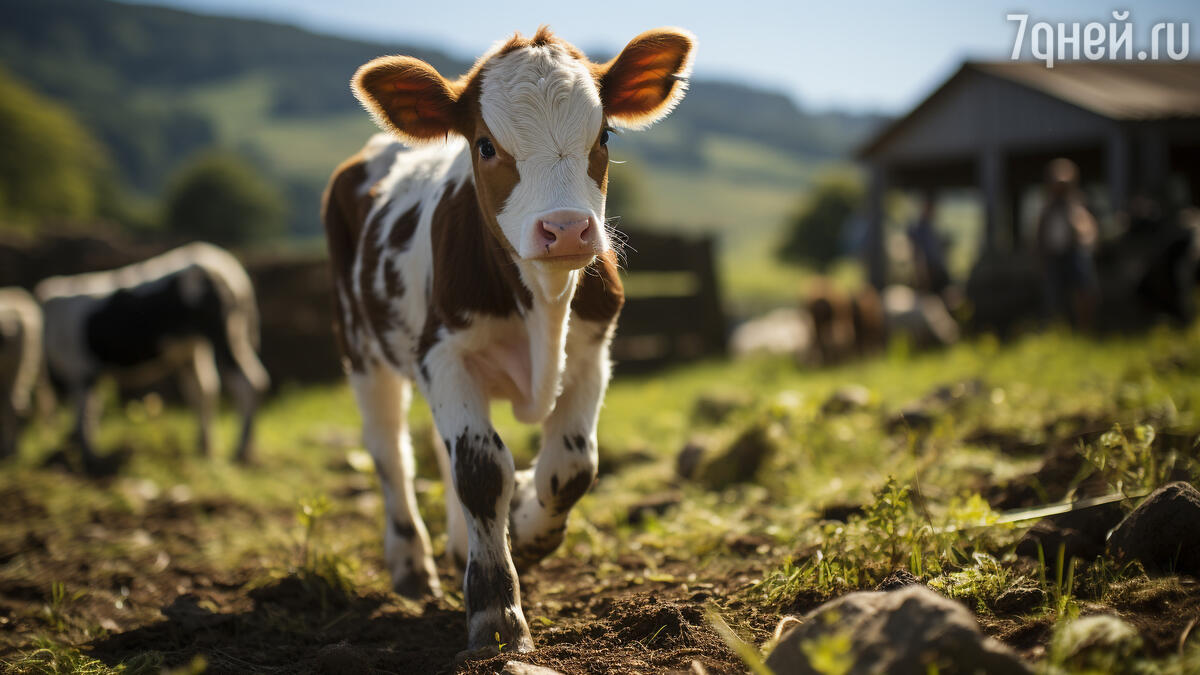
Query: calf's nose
(565, 234)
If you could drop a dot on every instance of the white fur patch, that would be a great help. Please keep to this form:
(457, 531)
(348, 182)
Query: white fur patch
(544, 108)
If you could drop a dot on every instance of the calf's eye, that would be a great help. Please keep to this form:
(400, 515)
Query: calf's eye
(486, 149)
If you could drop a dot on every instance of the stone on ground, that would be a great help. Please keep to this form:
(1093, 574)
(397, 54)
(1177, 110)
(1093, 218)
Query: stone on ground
(1163, 533)
(911, 630)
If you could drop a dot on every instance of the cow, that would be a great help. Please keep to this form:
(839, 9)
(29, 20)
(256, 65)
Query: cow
(20, 363)
(470, 255)
(190, 312)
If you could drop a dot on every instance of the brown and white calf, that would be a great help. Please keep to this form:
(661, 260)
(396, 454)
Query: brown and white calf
(20, 362)
(477, 264)
(190, 311)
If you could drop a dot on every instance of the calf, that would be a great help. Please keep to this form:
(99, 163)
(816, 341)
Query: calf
(189, 311)
(20, 362)
(480, 268)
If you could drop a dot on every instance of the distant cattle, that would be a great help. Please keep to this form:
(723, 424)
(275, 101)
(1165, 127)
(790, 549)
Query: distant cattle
(844, 325)
(480, 266)
(190, 311)
(20, 362)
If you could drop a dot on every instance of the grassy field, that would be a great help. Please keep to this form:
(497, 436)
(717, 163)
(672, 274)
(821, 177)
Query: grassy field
(185, 562)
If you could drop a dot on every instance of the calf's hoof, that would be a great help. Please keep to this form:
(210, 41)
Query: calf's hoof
(504, 631)
(417, 586)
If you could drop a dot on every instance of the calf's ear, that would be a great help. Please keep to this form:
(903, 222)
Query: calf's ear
(648, 78)
(407, 97)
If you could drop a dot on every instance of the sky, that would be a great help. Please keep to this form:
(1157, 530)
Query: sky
(842, 54)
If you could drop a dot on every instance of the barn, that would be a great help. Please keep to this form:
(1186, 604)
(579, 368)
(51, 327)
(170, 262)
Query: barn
(1132, 127)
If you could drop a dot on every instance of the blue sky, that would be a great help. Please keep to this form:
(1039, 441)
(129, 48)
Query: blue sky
(876, 56)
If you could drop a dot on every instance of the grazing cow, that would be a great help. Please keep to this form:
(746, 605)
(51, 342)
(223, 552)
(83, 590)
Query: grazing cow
(189, 311)
(20, 362)
(480, 268)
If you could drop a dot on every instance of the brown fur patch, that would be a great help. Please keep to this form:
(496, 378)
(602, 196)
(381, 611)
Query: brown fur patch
(473, 272)
(600, 294)
(647, 77)
(376, 307)
(342, 212)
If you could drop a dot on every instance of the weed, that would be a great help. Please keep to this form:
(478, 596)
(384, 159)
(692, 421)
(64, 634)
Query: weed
(54, 612)
(1059, 595)
(1129, 462)
(982, 582)
(745, 651)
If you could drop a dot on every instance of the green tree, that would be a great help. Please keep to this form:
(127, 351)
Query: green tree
(220, 198)
(49, 166)
(814, 234)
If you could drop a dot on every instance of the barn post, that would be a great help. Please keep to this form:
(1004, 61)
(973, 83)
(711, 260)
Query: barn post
(876, 258)
(1154, 161)
(1116, 153)
(995, 203)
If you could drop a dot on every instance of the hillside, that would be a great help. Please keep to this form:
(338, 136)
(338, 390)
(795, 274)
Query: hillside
(157, 85)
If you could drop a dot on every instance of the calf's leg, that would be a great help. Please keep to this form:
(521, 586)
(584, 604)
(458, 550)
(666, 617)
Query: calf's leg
(384, 399)
(566, 464)
(456, 520)
(86, 412)
(201, 386)
(483, 478)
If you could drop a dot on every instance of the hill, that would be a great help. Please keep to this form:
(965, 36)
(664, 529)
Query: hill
(156, 86)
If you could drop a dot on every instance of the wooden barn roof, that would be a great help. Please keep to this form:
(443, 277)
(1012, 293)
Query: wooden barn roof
(1125, 91)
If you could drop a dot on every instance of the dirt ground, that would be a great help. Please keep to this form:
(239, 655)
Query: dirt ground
(195, 564)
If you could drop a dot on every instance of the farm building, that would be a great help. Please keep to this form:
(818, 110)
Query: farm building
(1131, 127)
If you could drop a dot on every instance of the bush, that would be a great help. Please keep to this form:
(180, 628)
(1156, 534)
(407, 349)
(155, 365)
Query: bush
(815, 234)
(220, 198)
(50, 167)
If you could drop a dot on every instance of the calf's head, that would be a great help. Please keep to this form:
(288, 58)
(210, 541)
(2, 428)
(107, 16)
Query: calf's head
(537, 115)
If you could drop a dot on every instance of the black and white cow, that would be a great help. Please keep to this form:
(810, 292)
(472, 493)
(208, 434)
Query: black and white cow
(480, 267)
(20, 362)
(190, 311)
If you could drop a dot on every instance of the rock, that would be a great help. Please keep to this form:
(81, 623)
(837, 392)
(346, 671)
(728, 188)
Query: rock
(688, 460)
(846, 399)
(654, 505)
(716, 408)
(841, 512)
(782, 331)
(911, 418)
(897, 579)
(519, 668)
(923, 319)
(740, 462)
(1074, 543)
(1099, 643)
(1019, 600)
(907, 631)
(1163, 533)
(341, 657)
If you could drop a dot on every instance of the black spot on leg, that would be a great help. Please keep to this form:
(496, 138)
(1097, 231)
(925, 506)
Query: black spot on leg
(580, 442)
(572, 490)
(496, 440)
(567, 442)
(403, 530)
(488, 587)
(478, 477)
(554, 485)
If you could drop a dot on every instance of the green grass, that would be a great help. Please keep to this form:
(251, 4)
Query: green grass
(923, 511)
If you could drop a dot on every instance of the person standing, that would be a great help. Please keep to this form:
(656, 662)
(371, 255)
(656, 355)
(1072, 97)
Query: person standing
(1066, 239)
(929, 258)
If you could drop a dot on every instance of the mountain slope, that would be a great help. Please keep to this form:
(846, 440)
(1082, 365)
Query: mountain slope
(157, 85)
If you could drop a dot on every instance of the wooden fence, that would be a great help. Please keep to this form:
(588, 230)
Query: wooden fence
(673, 313)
